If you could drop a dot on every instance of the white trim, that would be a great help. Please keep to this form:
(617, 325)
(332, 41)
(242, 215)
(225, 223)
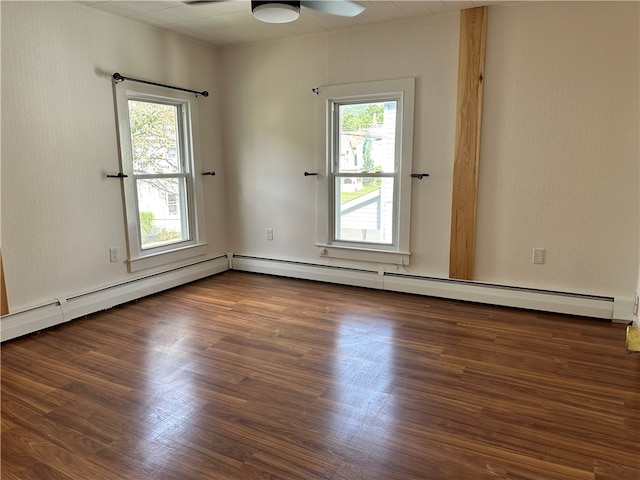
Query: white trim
(623, 309)
(140, 259)
(364, 254)
(541, 300)
(402, 90)
(309, 271)
(22, 323)
(149, 261)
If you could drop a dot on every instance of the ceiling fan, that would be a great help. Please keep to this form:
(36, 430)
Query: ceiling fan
(282, 11)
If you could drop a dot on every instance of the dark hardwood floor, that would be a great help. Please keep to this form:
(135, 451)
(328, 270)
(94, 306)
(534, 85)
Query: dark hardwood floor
(243, 376)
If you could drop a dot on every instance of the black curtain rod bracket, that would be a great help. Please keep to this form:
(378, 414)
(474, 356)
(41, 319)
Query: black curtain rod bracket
(117, 175)
(419, 176)
(120, 78)
(306, 174)
(209, 173)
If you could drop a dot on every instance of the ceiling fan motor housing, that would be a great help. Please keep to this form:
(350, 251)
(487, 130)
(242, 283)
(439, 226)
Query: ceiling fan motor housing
(275, 11)
(255, 3)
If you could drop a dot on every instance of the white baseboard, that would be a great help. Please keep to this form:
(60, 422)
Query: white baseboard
(555, 302)
(307, 271)
(18, 324)
(13, 325)
(623, 308)
(540, 300)
(22, 323)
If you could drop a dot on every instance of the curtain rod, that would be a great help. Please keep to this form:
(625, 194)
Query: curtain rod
(119, 78)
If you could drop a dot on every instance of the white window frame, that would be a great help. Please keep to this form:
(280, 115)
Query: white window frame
(403, 91)
(195, 245)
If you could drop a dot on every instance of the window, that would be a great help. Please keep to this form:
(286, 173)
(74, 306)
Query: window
(365, 197)
(162, 194)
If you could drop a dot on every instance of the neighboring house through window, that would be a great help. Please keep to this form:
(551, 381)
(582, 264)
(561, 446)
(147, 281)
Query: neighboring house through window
(364, 196)
(159, 154)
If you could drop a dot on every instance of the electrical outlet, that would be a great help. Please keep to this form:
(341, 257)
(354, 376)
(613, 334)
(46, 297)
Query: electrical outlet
(269, 233)
(113, 255)
(538, 256)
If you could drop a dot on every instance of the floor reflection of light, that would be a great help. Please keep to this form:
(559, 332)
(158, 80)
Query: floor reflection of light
(168, 415)
(363, 403)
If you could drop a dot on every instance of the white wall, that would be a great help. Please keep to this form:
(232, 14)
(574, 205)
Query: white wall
(271, 131)
(559, 159)
(270, 141)
(560, 149)
(559, 166)
(60, 214)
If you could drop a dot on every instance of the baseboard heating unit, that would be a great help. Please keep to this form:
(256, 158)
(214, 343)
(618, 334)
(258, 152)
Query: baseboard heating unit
(542, 300)
(62, 310)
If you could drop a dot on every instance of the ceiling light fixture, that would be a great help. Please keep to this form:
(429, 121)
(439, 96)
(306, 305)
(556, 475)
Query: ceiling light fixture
(275, 12)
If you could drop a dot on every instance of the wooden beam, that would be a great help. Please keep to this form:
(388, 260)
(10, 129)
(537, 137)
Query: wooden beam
(473, 27)
(4, 304)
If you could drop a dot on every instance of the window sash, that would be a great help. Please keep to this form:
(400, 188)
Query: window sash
(185, 211)
(183, 160)
(336, 236)
(373, 227)
(337, 131)
(179, 120)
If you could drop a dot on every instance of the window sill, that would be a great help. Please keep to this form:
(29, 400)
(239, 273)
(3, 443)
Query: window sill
(164, 258)
(364, 254)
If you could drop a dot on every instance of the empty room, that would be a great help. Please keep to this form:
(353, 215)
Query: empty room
(320, 240)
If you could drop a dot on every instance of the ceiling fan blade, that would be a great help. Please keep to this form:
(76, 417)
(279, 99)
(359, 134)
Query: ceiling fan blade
(342, 8)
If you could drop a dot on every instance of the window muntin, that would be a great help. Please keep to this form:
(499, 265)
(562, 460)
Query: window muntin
(163, 197)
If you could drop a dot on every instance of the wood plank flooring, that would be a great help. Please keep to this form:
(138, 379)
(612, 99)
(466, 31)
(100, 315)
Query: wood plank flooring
(244, 376)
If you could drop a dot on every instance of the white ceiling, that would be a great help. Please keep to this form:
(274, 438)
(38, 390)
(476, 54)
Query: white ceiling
(231, 22)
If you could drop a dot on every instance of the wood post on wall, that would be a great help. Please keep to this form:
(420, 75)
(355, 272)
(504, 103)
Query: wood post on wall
(4, 305)
(473, 28)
